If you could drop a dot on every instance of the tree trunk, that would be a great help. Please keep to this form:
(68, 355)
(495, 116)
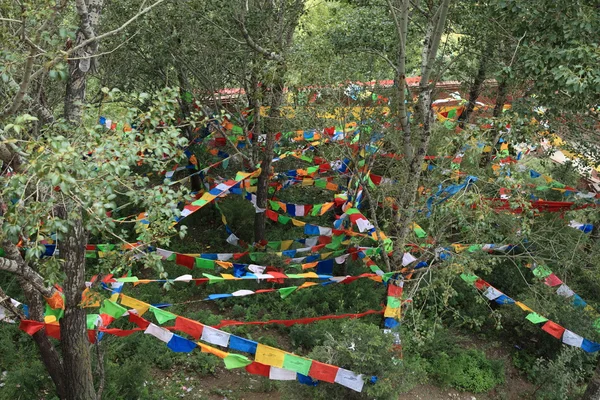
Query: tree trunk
(184, 86)
(73, 327)
(593, 388)
(89, 16)
(500, 98)
(475, 90)
(498, 108)
(48, 352)
(262, 190)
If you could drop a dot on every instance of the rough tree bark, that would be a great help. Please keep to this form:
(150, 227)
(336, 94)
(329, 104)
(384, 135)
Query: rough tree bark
(475, 89)
(406, 203)
(184, 86)
(262, 190)
(89, 14)
(26, 276)
(77, 361)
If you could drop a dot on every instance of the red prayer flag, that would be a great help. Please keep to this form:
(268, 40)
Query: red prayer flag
(188, 326)
(553, 280)
(186, 261)
(394, 291)
(139, 321)
(259, 369)
(53, 330)
(323, 372)
(30, 327)
(553, 329)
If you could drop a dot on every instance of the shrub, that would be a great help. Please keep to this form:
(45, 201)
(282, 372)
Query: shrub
(467, 370)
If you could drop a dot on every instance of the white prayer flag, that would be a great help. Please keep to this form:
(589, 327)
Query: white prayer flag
(158, 332)
(349, 379)
(215, 336)
(572, 339)
(281, 374)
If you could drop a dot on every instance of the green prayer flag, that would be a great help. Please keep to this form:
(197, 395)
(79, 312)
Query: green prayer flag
(238, 130)
(111, 308)
(388, 245)
(91, 320)
(449, 124)
(225, 163)
(213, 279)
(294, 276)
(469, 278)
(128, 279)
(282, 219)
(320, 183)
(338, 253)
(375, 268)
(57, 312)
(596, 325)
(236, 361)
(286, 291)
(473, 248)
(162, 316)
(274, 205)
(420, 232)
(199, 203)
(105, 247)
(558, 185)
(253, 256)
(316, 211)
(386, 277)
(393, 302)
(90, 254)
(297, 364)
(452, 113)
(351, 211)
(311, 170)
(274, 245)
(542, 187)
(1, 252)
(536, 318)
(204, 263)
(542, 271)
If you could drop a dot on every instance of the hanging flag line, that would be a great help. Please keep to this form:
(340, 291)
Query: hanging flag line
(551, 280)
(550, 327)
(292, 366)
(270, 356)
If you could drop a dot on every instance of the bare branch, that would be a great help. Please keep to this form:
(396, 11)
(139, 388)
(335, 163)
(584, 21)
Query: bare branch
(18, 99)
(269, 55)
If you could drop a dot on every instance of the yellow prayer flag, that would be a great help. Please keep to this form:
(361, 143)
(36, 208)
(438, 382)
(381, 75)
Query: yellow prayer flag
(137, 305)
(392, 312)
(229, 276)
(307, 284)
(298, 223)
(307, 182)
(309, 274)
(269, 355)
(523, 307)
(285, 244)
(224, 264)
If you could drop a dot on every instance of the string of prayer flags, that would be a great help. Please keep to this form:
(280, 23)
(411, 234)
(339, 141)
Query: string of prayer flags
(218, 191)
(551, 280)
(286, 364)
(286, 291)
(301, 210)
(392, 314)
(550, 327)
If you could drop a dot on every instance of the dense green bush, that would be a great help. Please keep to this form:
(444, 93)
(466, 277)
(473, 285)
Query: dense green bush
(467, 370)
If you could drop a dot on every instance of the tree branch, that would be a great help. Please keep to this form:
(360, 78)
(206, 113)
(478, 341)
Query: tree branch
(269, 55)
